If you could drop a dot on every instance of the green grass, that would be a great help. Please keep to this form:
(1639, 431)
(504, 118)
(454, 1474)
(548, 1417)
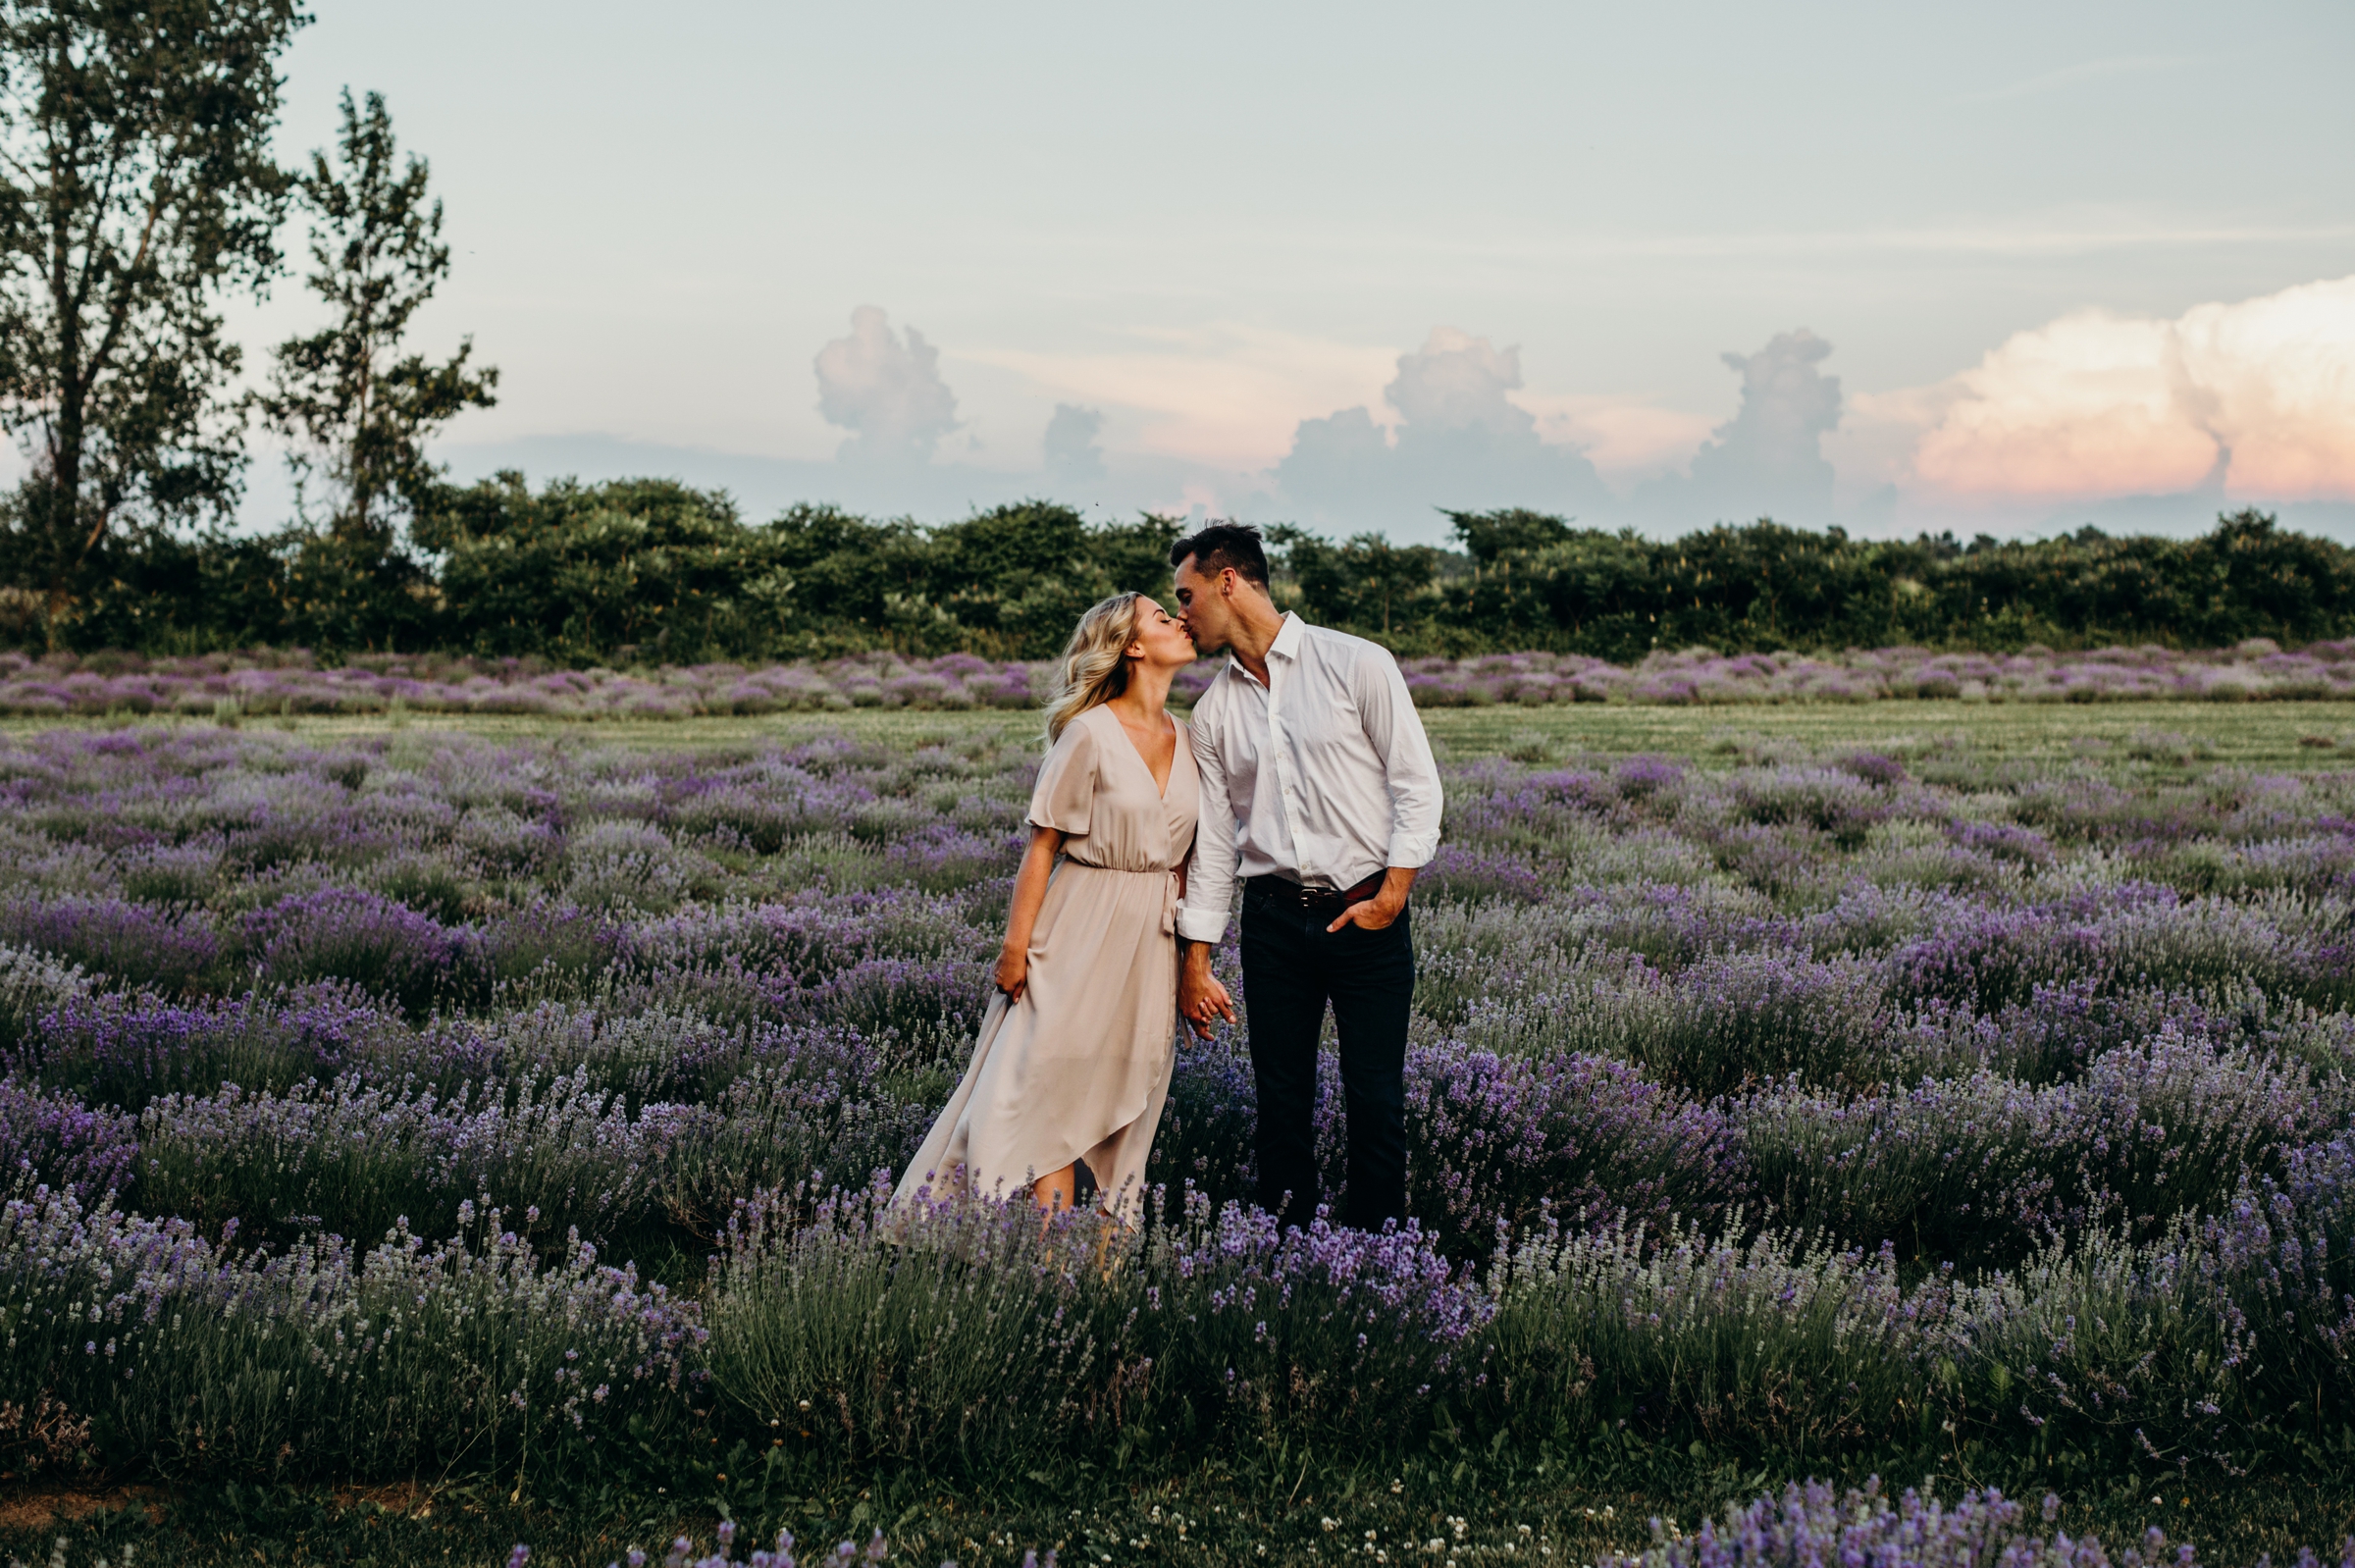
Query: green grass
(2247, 734)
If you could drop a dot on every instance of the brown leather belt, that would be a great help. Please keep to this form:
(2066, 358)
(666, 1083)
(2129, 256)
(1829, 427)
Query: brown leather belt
(1283, 890)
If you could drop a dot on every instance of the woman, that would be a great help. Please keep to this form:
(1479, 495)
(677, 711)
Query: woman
(1075, 1054)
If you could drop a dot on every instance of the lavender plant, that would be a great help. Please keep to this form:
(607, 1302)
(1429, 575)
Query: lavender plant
(1792, 1100)
(198, 1357)
(264, 682)
(1784, 1340)
(1809, 1523)
(966, 1333)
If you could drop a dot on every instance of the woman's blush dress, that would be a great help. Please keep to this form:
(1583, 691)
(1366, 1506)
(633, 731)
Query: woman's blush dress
(1080, 1065)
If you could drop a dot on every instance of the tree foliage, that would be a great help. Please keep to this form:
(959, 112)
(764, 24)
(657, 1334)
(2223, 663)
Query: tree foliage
(655, 570)
(136, 191)
(357, 411)
(1766, 586)
(1368, 581)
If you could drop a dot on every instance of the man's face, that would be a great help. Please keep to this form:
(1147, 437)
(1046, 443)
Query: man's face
(1202, 608)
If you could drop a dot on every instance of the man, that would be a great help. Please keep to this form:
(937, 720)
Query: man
(1318, 785)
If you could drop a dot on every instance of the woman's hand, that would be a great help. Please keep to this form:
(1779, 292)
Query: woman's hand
(1030, 896)
(1012, 971)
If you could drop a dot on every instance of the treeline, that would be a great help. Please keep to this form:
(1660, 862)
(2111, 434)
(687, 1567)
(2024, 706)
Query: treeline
(632, 570)
(1524, 580)
(655, 572)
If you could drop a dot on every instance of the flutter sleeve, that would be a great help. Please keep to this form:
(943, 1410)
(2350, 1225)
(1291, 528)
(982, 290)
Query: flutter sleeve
(1066, 795)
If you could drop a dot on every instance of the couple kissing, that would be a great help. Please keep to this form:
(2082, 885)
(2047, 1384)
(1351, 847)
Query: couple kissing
(1304, 773)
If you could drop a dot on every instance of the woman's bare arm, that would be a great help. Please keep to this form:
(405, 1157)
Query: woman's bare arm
(1030, 896)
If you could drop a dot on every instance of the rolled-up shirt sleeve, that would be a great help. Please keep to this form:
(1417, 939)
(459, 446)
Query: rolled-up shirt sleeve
(1408, 767)
(1210, 874)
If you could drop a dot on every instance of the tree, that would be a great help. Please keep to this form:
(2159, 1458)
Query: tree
(1364, 582)
(1014, 578)
(1392, 574)
(1492, 537)
(633, 568)
(359, 417)
(136, 189)
(1497, 541)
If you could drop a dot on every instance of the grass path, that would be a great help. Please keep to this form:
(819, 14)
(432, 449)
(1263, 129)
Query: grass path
(2272, 735)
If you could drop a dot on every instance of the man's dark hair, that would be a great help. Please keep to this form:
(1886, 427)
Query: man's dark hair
(1225, 544)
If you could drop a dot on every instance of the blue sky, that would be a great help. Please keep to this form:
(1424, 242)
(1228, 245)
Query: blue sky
(2006, 267)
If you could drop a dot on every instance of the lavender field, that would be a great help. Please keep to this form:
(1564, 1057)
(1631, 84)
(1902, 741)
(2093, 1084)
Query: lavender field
(227, 686)
(423, 1104)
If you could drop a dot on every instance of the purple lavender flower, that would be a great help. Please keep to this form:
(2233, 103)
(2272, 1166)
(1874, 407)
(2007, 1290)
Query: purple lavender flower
(343, 933)
(1809, 1523)
(135, 944)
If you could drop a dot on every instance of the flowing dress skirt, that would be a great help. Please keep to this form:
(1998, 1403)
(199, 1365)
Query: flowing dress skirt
(1078, 1067)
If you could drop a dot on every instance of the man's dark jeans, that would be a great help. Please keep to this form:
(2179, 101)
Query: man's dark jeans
(1291, 968)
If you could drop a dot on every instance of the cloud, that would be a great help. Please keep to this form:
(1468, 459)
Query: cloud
(1072, 450)
(1628, 438)
(888, 394)
(1767, 460)
(2239, 403)
(1461, 443)
(2254, 398)
(1338, 466)
(1458, 381)
(1224, 394)
(1776, 439)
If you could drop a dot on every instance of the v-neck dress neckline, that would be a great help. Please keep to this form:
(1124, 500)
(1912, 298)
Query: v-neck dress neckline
(1161, 786)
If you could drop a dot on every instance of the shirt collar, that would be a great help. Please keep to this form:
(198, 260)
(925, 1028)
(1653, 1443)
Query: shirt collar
(1286, 646)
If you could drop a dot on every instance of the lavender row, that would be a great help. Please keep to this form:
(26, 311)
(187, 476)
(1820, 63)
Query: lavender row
(971, 1326)
(203, 1358)
(2016, 1044)
(641, 1126)
(1765, 984)
(2256, 670)
(228, 687)
(180, 853)
(1810, 1523)
(1807, 1523)
(846, 1335)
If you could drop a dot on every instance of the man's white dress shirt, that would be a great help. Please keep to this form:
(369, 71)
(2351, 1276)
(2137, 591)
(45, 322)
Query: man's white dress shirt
(1323, 775)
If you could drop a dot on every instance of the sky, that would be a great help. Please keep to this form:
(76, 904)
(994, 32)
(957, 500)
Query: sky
(2004, 268)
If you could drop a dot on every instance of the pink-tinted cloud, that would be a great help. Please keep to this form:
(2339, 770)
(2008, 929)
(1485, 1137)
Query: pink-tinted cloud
(1227, 395)
(888, 393)
(1456, 381)
(2251, 399)
(1627, 437)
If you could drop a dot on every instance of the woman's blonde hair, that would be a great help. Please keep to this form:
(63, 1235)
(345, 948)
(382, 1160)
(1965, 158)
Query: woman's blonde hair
(1094, 667)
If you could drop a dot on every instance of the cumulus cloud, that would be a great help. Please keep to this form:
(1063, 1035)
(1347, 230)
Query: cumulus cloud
(1461, 443)
(2256, 399)
(1222, 395)
(1339, 466)
(1458, 381)
(1071, 449)
(1767, 460)
(886, 391)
